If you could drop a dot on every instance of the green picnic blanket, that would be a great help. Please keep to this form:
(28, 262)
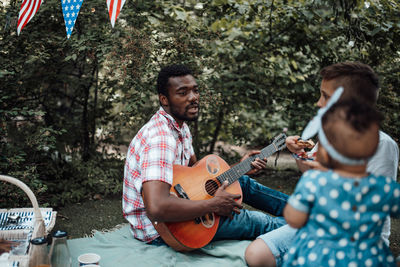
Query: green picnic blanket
(118, 248)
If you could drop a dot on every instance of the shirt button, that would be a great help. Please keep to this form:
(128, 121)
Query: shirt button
(356, 183)
(352, 239)
(354, 208)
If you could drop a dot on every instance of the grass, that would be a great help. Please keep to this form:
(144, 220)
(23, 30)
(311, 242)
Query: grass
(81, 219)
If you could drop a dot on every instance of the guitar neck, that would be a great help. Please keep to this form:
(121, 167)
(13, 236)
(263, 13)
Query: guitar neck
(234, 173)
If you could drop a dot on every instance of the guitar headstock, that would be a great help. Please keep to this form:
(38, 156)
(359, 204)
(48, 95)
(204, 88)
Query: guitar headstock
(279, 142)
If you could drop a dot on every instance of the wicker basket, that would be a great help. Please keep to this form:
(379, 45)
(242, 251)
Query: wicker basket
(27, 231)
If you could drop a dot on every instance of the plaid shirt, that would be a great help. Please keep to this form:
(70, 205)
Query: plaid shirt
(159, 144)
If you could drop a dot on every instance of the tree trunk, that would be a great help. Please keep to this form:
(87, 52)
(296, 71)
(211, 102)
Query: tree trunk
(96, 89)
(85, 130)
(217, 129)
(85, 116)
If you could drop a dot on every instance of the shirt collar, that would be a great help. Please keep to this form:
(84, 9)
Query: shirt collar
(171, 120)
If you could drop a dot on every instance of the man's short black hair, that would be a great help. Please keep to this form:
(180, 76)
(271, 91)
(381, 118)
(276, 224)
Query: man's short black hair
(168, 72)
(358, 80)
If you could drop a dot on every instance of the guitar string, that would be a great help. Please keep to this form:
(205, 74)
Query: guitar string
(264, 153)
(211, 189)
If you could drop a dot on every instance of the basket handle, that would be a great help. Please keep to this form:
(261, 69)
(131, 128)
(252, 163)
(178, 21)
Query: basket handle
(39, 228)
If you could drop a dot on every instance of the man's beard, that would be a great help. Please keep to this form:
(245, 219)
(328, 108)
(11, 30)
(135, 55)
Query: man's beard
(184, 116)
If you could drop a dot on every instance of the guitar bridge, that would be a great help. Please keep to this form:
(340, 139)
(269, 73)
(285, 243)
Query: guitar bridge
(182, 194)
(180, 191)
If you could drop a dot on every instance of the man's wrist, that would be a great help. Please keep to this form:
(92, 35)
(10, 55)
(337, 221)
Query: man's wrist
(211, 205)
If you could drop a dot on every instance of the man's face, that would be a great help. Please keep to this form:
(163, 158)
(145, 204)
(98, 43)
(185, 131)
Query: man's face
(182, 101)
(327, 89)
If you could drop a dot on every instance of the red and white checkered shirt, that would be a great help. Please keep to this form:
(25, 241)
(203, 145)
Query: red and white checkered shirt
(159, 144)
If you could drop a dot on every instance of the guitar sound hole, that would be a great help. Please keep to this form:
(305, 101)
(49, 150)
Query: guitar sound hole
(211, 187)
(208, 220)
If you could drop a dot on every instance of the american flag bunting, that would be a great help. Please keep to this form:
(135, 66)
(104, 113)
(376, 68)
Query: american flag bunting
(26, 13)
(70, 11)
(114, 7)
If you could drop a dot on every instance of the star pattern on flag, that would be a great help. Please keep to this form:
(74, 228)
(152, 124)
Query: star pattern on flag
(70, 11)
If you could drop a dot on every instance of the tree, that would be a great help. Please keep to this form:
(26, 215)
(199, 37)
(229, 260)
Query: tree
(67, 106)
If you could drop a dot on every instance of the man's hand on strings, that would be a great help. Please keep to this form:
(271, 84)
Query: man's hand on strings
(257, 164)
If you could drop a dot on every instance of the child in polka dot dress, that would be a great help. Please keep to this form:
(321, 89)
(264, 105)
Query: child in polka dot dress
(340, 212)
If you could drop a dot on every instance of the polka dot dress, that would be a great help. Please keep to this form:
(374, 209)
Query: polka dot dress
(345, 220)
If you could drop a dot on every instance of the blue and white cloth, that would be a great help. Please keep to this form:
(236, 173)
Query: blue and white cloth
(25, 221)
(345, 220)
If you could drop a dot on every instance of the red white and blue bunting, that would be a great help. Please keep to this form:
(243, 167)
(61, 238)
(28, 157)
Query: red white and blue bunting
(26, 13)
(70, 11)
(114, 7)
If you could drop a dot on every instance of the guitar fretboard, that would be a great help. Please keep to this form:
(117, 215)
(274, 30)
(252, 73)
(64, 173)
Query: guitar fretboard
(243, 167)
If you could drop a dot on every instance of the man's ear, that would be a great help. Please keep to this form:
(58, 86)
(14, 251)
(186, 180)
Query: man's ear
(163, 100)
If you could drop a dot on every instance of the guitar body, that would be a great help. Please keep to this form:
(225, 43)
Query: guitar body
(199, 183)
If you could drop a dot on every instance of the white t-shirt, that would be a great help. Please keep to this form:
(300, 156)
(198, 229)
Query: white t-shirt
(385, 162)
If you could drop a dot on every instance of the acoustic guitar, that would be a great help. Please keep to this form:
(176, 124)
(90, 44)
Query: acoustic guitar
(200, 182)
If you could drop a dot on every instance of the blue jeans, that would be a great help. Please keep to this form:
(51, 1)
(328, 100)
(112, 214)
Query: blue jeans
(279, 241)
(256, 224)
(251, 224)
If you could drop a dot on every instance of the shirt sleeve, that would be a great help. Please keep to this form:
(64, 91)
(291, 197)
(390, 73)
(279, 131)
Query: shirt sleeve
(304, 195)
(191, 150)
(395, 205)
(158, 158)
(386, 159)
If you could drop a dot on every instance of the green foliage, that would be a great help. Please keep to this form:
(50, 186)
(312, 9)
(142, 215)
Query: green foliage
(26, 155)
(68, 107)
(389, 97)
(54, 105)
(82, 180)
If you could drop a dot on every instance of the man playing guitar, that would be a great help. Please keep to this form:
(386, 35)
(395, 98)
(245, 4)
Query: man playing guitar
(166, 141)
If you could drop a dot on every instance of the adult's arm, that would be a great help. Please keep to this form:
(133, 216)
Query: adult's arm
(294, 148)
(303, 165)
(161, 206)
(292, 145)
